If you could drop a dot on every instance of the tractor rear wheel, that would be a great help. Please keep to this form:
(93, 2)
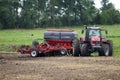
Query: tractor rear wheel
(75, 51)
(34, 53)
(85, 50)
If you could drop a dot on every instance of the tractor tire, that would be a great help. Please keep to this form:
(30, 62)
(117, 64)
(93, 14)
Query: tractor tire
(105, 50)
(63, 52)
(35, 43)
(34, 53)
(85, 50)
(101, 50)
(101, 53)
(75, 51)
(110, 43)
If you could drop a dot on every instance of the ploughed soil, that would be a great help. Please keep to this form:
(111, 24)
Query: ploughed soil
(23, 67)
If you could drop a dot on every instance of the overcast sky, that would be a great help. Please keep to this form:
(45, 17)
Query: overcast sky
(116, 3)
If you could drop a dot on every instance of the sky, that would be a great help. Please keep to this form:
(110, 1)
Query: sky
(116, 3)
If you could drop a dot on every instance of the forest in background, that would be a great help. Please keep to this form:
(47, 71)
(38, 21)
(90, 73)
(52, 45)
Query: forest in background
(15, 14)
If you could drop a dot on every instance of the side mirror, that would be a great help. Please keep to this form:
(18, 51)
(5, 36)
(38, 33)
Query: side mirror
(106, 31)
(82, 31)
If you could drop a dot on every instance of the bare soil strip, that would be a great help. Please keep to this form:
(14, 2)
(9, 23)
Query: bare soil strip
(23, 67)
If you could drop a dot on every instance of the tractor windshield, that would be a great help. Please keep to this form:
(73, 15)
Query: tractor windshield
(94, 32)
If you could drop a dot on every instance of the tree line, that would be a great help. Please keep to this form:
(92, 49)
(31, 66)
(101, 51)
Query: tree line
(55, 13)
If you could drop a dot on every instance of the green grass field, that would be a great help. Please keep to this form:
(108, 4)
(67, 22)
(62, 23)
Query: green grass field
(8, 38)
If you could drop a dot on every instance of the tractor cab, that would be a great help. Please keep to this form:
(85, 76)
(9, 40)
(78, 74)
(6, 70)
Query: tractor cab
(95, 42)
(93, 36)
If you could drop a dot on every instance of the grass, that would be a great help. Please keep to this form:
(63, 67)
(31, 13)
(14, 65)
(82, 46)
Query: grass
(8, 38)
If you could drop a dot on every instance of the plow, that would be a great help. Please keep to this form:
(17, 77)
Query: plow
(56, 42)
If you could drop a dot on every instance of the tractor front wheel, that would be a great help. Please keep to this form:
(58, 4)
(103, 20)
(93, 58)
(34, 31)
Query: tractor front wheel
(104, 50)
(107, 49)
(110, 43)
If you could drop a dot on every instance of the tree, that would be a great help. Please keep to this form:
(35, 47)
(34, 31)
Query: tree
(109, 14)
(9, 13)
(104, 4)
(41, 18)
(41, 13)
(28, 14)
(76, 12)
(86, 11)
(51, 12)
(97, 18)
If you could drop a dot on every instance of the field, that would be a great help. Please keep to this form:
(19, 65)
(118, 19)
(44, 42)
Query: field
(8, 38)
(22, 67)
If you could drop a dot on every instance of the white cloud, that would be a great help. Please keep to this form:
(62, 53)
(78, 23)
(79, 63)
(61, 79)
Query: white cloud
(116, 3)
(97, 3)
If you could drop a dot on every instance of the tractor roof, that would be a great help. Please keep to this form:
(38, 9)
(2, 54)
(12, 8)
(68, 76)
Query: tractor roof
(93, 28)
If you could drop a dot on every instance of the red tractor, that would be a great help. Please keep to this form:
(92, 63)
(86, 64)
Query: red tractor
(56, 42)
(94, 42)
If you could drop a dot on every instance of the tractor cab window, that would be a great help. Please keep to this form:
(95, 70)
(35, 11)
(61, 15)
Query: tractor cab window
(94, 33)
